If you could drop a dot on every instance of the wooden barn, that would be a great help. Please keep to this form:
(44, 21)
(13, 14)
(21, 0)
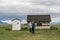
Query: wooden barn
(41, 21)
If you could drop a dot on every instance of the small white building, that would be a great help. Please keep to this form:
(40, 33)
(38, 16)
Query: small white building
(16, 24)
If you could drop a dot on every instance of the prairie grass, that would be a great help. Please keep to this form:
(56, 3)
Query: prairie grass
(45, 34)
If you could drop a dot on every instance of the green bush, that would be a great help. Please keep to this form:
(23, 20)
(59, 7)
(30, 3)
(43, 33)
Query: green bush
(24, 28)
(54, 28)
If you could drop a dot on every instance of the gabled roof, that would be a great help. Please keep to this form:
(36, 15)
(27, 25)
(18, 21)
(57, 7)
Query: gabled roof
(39, 18)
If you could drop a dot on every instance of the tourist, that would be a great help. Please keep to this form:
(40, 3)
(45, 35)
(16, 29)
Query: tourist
(33, 27)
(30, 26)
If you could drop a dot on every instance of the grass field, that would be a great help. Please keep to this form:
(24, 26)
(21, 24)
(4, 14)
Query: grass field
(25, 35)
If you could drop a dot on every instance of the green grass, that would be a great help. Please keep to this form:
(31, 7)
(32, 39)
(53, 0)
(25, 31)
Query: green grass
(25, 35)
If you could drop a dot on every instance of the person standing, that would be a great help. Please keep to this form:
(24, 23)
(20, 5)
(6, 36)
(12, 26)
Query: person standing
(30, 26)
(33, 27)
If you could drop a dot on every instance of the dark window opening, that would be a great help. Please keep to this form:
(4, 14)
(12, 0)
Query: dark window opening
(17, 22)
(39, 24)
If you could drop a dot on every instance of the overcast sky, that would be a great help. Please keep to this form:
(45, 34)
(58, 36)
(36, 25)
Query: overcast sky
(18, 8)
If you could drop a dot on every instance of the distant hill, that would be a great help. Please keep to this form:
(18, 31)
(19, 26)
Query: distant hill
(25, 22)
(2, 22)
(55, 23)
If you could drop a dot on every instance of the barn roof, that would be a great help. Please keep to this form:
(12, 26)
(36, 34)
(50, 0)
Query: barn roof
(38, 18)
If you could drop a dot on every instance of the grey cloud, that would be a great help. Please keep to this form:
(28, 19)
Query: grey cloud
(24, 7)
(55, 15)
(45, 2)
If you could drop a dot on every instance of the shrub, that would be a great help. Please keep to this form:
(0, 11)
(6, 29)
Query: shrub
(24, 28)
(53, 28)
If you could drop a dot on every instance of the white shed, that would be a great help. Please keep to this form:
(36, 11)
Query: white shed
(16, 24)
